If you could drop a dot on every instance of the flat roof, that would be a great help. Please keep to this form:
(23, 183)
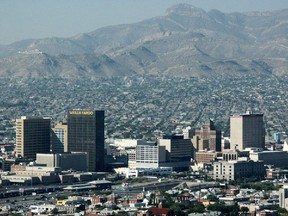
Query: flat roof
(247, 115)
(267, 152)
(75, 187)
(99, 182)
(89, 185)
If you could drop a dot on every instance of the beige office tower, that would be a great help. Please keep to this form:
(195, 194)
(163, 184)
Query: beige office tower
(32, 136)
(246, 131)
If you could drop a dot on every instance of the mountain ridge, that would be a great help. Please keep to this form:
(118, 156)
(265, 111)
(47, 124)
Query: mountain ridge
(187, 41)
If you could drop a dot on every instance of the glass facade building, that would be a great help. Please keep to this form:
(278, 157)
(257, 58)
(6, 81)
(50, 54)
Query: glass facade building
(59, 138)
(86, 134)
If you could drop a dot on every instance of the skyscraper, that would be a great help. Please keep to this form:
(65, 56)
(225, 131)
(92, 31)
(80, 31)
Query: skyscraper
(246, 131)
(86, 134)
(209, 137)
(32, 136)
(60, 138)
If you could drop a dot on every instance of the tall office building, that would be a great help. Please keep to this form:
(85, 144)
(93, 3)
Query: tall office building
(32, 136)
(178, 151)
(247, 130)
(150, 155)
(60, 138)
(86, 134)
(209, 137)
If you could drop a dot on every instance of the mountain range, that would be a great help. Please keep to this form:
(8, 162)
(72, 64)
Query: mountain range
(185, 42)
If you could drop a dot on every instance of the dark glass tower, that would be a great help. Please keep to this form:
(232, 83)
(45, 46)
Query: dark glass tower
(86, 134)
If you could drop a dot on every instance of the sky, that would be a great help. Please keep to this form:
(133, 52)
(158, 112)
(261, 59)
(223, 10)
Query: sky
(28, 19)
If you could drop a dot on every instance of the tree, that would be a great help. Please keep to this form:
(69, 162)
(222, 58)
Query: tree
(212, 198)
(231, 210)
(197, 208)
(244, 210)
(99, 207)
(152, 199)
(168, 202)
(115, 207)
(118, 177)
(54, 211)
(282, 211)
(88, 202)
(177, 209)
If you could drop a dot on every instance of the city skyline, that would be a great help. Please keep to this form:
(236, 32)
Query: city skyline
(143, 107)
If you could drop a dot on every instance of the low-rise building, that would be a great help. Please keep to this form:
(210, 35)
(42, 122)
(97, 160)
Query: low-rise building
(232, 170)
(283, 197)
(44, 175)
(159, 211)
(267, 212)
(34, 170)
(38, 209)
(275, 158)
(206, 156)
(277, 173)
(6, 162)
(77, 161)
(93, 185)
(68, 178)
(127, 143)
(21, 179)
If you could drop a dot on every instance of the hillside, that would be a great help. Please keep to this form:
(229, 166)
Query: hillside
(186, 41)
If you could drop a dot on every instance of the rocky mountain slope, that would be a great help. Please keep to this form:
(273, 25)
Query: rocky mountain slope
(185, 42)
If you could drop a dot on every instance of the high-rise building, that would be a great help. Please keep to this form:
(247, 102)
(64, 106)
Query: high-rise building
(209, 137)
(32, 136)
(247, 130)
(86, 134)
(178, 151)
(60, 138)
(150, 155)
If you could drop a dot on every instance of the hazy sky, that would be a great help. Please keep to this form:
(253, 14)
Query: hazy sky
(23, 19)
